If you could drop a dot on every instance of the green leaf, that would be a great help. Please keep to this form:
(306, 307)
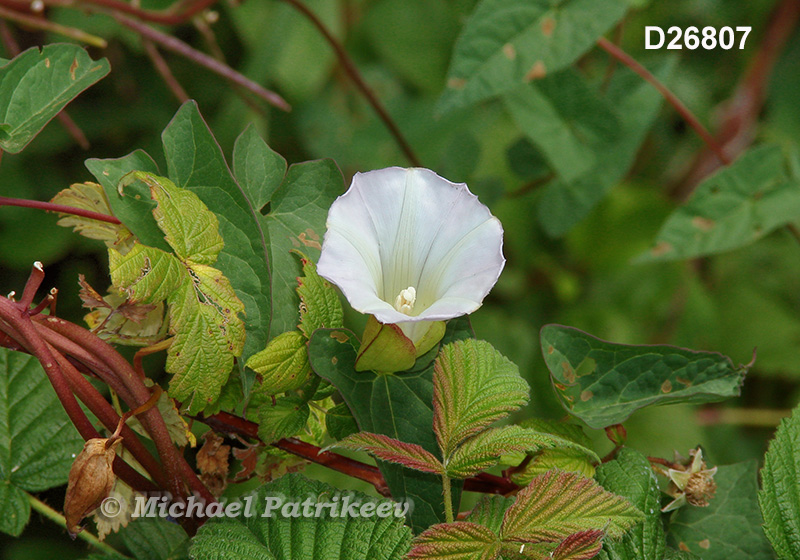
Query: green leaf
(320, 306)
(258, 169)
(779, 497)
(133, 205)
(283, 364)
(564, 458)
(36, 85)
(490, 511)
(508, 42)
(339, 422)
(298, 211)
(730, 527)
(603, 383)
(474, 386)
(483, 450)
(280, 537)
(409, 455)
(285, 418)
(673, 554)
(195, 162)
(567, 120)
(456, 541)
(154, 538)
(37, 440)
(203, 307)
(557, 504)
(734, 207)
(631, 476)
(564, 203)
(399, 406)
(581, 546)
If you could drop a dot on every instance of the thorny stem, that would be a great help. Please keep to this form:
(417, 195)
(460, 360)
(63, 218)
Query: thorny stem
(671, 98)
(352, 71)
(59, 520)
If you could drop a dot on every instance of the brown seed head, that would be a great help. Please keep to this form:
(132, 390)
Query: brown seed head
(90, 480)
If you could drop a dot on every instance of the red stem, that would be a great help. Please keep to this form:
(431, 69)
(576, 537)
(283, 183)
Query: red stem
(179, 12)
(671, 98)
(61, 208)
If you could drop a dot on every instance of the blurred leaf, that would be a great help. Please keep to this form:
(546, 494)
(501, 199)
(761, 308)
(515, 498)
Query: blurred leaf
(36, 85)
(339, 422)
(734, 207)
(780, 487)
(730, 527)
(630, 475)
(154, 538)
(37, 440)
(409, 455)
(195, 162)
(564, 203)
(284, 417)
(508, 42)
(290, 538)
(567, 120)
(603, 383)
(526, 161)
(474, 386)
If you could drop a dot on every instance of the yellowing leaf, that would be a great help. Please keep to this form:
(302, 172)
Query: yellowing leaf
(90, 196)
(283, 364)
(319, 303)
(204, 311)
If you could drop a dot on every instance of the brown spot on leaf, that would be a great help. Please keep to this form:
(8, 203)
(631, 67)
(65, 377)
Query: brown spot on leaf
(73, 67)
(705, 543)
(683, 381)
(550, 349)
(682, 546)
(568, 372)
(666, 387)
(456, 83)
(586, 395)
(340, 336)
(47, 63)
(703, 224)
(661, 248)
(509, 51)
(548, 24)
(334, 360)
(537, 71)
(313, 242)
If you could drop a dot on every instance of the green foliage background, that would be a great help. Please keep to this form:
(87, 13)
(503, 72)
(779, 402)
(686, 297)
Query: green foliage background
(728, 303)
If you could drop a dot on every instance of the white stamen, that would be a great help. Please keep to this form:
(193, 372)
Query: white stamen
(404, 302)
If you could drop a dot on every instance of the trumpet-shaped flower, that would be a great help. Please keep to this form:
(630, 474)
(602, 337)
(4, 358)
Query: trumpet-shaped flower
(410, 247)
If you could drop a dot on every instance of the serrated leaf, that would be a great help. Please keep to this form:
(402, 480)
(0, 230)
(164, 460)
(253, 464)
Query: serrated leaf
(506, 43)
(409, 455)
(154, 538)
(474, 386)
(37, 440)
(90, 196)
(132, 205)
(779, 496)
(630, 475)
(35, 85)
(603, 383)
(319, 304)
(258, 169)
(203, 307)
(563, 204)
(291, 538)
(734, 207)
(399, 406)
(283, 364)
(483, 450)
(557, 504)
(298, 212)
(568, 121)
(195, 162)
(565, 459)
(286, 417)
(456, 541)
(581, 546)
(730, 527)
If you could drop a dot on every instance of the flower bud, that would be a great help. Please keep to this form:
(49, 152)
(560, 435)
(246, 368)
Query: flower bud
(90, 480)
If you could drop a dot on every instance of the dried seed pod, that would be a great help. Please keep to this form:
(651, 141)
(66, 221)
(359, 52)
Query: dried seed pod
(90, 480)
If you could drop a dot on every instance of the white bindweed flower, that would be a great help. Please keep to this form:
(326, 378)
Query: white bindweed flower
(410, 247)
